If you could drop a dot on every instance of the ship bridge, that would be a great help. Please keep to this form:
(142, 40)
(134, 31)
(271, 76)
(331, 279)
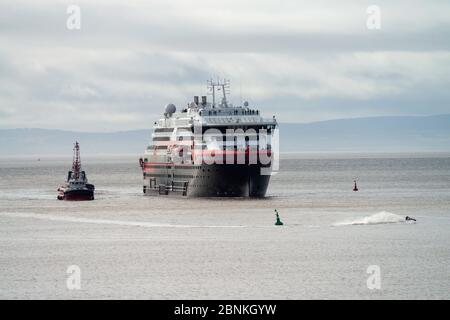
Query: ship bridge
(201, 112)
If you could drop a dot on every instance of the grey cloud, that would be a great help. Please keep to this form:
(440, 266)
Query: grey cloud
(128, 61)
(110, 26)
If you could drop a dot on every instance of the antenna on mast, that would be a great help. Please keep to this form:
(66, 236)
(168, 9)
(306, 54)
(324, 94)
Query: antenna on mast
(240, 89)
(219, 85)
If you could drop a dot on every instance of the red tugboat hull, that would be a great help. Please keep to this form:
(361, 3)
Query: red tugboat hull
(79, 195)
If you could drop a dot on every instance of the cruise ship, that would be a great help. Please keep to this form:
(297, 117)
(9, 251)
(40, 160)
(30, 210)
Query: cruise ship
(211, 149)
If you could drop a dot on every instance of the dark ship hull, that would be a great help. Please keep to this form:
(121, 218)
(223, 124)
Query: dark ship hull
(215, 180)
(78, 195)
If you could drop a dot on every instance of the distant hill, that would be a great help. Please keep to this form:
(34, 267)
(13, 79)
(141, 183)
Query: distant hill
(43, 142)
(377, 134)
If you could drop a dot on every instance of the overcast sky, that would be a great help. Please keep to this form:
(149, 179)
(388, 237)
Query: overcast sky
(300, 60)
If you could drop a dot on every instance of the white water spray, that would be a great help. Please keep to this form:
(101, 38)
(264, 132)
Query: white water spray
(382, 217)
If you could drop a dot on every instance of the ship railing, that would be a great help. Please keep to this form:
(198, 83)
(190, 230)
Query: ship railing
(179, 186)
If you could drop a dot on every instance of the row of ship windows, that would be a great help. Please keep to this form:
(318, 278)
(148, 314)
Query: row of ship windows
(205, 147)
(191, 138)
(153, 175)
(170, 129)
(179, 167)
(180, 138)
(191, 129)
(235, 112)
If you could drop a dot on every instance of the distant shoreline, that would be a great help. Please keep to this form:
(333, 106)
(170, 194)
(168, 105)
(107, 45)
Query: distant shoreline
(283, 156)
(360, 135)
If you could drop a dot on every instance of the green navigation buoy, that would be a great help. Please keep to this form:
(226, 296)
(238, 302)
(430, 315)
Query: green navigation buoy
(278, 222)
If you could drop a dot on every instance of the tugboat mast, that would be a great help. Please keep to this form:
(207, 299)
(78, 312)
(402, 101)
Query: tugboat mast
(76, 163)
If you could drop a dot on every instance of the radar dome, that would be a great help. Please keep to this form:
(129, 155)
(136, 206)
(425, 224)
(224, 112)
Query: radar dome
(246, 104)
(170, 108)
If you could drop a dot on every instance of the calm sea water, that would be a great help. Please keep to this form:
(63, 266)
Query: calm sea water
(133, 246)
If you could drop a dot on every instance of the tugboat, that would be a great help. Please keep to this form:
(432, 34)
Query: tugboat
(76, 187)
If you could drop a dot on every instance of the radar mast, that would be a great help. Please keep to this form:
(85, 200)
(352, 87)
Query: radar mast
(219, 85)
